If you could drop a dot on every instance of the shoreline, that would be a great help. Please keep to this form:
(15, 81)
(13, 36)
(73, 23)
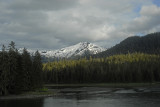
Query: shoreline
(29, 95)
(107, 85)
(51, 92)
(15, 97)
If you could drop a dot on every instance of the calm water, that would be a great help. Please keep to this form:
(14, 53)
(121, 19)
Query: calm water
(93, 97)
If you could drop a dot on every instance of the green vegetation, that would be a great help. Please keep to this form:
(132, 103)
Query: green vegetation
(40, 91)
(129, 68)
(19, 72)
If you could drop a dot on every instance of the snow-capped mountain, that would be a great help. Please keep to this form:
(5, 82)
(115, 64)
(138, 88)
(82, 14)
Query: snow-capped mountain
(80, 49)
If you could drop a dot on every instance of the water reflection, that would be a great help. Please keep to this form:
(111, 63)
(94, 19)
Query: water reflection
(22, 103)
(102, 102)
(93, 97)
(115, 101)
(104, 97)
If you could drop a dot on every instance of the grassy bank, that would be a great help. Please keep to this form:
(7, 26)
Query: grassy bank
(42, 91)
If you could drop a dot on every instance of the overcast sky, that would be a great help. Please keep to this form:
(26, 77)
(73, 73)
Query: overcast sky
(53, 24)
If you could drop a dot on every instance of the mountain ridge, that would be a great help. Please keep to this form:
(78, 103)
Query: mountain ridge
(70, 52)
(75, 50)
(149, 44)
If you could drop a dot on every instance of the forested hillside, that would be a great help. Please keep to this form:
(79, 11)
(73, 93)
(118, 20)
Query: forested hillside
(119, 68)
(146, 44)
(19, 72)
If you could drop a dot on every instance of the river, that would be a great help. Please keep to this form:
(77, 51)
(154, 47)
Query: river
(93, 97)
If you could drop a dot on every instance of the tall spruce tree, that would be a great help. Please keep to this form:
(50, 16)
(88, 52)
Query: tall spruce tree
(3, 72)
(37, 71)
(12, 66)
(26, 70)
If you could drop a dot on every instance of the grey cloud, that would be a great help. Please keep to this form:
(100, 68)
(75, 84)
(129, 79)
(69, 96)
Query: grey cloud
(53, 24)
(42, 4)
(115, 7)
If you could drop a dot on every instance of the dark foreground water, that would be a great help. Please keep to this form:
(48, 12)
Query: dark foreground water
(93, 97)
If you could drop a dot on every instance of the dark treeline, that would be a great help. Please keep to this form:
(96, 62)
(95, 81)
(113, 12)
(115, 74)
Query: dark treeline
(136, 67)
(19, 72)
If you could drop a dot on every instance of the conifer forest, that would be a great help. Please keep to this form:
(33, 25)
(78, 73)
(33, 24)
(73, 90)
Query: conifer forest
(136, 67)
(19, 72)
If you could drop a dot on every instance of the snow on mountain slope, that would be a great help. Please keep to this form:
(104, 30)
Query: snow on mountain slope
(79, 49)
(32, 52)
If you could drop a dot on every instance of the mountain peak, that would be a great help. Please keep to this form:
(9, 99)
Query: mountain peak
(80, 49)
(83, 42)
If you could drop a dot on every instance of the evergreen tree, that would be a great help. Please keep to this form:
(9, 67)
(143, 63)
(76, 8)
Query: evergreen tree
(4, 72)
(27, 69)
(37, 71)
(12, 66)
(18, 72)
(135, 67)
